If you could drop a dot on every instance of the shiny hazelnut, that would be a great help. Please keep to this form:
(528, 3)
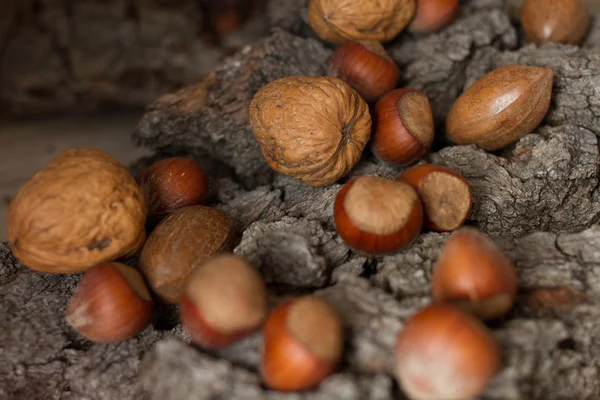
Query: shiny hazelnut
(473, 274)
(403, 127)
(82, 209)
(111, 304)
(313, 129)
(375, 215)
(443, 353)
(444, 192)
(501, 107)
(182, 241)
(366, 67)
(302, 344)
(433, 15)
(337, 21)
(225, 300)
(172, 183)
(559, 21)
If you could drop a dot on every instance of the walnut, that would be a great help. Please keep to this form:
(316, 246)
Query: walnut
(81, 209)
(313, 129)
(338, 21)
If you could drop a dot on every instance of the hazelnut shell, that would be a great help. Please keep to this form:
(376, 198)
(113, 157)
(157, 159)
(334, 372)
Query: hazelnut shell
(433, 15)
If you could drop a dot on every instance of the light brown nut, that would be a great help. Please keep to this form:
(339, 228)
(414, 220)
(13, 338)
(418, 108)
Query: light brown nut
(82, 209)
(338, 21)
(501, 107)
(559, 21)
(313, 129)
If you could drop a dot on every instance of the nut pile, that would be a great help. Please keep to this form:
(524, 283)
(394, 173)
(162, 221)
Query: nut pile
(84, 212)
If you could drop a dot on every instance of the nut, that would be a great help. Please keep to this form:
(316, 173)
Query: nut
(443, 353)
(225, 300)
(303, 344)
(501, 107)
(433, 15)
(338, 21)
(184, 240)
(82, 209)
(313, 129)
(375, 215)
(366, 67)
(403, 127)
(444, 192)
(560, 21)
(111, 304)
(172, 183)
(473, 274)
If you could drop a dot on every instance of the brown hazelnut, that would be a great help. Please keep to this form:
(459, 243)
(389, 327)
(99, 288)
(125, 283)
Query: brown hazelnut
(172, 183)
(443, 353)
(313, 129)
(375, 215)
(501, 107)
(111, 304)
(302, 344)
(225, 300)
(403, 127)
(560, 21)
(337, 21)
(182, 241)
(433, 15)
(444, 192)
(82, 209)
(365, 66)
(473, 274)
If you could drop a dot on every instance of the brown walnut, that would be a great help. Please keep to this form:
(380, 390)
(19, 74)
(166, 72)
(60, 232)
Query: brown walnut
(184, 240)
(82, 209)
(313, 129)
(338, 21)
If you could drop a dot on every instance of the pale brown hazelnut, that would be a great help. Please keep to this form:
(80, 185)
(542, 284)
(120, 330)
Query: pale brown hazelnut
(501, 107)
(184, 240)
(558, 21)
(337, 21)
(82, 209)
(313, 129)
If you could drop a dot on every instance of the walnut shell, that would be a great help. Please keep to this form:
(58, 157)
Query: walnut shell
(184, 240)
(313, 129)
(338, 21)
(82, 209)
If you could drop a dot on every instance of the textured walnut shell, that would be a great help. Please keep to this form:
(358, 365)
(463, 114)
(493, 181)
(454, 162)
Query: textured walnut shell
(560, 21)
(184, 240)
(501, 107)
(338, 21)
(313, 129)
(82, 209)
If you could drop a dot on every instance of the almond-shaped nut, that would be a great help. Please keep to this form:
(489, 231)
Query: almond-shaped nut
(313, 129)
(501, 107)
(184, 240)
(82, 209)
(559, 21)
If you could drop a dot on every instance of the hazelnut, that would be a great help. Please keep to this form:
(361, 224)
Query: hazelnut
(302, 344)
(433, 15)
(403, 127)
(173, 183)
(560, 21)
(111, 304)
(444, 192)
(443, 353)
(337, 21)
(375, 215)
(366, 67)
(225, 299)
(473, 274)
(182, 241)
(501, 107)
(313, 129)
(82, 209)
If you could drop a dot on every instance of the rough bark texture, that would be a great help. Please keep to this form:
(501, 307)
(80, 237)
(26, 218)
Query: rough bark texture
(538, 199)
